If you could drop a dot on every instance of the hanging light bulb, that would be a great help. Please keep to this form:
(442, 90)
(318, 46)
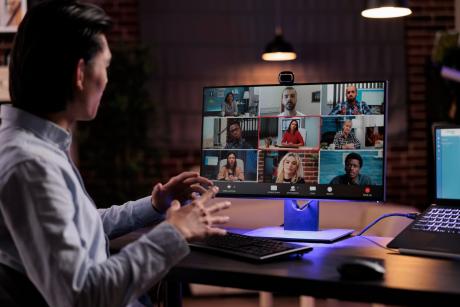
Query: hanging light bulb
(279, 49)
(386, 9)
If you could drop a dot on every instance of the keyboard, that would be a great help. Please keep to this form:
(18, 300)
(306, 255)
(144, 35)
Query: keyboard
(444, 220)
(249, 248)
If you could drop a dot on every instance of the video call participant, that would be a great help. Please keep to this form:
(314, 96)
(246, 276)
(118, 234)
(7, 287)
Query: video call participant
(289, 102)
(346, 139)
(231, 171)
(53, 240)
(292, 136)
(352, 106)
(290, 169)
(234, 137)
(353, 165)
(229, 107)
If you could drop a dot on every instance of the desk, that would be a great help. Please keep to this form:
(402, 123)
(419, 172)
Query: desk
(408, 280)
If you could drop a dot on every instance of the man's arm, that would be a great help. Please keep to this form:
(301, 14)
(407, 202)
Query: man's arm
(118, 220)
(68, 267)
(335, 110)
(365, 108)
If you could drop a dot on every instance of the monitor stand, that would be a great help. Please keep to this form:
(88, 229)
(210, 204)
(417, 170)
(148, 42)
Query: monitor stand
(301, 223)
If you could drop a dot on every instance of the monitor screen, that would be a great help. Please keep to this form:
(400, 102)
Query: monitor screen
(447, 151)
(318, 141)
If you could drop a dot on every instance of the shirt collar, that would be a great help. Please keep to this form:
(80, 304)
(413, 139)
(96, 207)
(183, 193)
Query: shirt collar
(42, 128)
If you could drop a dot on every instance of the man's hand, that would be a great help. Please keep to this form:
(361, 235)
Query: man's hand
(181, 188)
(196, 221)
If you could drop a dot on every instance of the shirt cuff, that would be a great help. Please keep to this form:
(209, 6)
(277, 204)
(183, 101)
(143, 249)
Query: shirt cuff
(145, 213)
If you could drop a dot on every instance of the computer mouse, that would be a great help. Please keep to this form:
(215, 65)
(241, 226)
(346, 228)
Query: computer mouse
(362, 269)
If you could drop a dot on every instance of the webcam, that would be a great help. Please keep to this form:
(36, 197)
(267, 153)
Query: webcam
(286, 78)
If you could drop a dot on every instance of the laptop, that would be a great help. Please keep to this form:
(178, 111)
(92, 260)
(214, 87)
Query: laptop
(436, 232)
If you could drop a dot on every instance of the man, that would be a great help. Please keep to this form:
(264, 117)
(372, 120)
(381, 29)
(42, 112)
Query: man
(53, 240)
(289, 102)
(351, 106)
(235, 139)
(346, 139)
(353, 165)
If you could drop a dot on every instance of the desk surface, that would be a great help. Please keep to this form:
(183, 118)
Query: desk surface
(408, 279)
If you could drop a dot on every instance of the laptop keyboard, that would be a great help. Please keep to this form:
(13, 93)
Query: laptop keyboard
(249, 247)
(444, 220)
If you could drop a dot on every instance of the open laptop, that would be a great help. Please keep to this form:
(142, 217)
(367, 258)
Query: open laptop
(436, 232)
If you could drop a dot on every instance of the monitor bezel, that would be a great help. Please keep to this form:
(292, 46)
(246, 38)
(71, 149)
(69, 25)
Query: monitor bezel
(319, 197)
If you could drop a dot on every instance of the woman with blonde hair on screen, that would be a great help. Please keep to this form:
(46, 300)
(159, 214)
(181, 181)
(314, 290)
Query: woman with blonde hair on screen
(290, 169)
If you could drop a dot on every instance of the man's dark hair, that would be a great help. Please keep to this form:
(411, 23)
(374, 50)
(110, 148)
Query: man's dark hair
(233, 122)
(354, 156)
(53, 36)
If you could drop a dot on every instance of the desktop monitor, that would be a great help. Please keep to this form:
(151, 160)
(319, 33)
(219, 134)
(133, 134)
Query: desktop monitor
(308, 141)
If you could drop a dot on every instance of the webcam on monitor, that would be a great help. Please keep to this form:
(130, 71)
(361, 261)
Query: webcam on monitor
(286, 78)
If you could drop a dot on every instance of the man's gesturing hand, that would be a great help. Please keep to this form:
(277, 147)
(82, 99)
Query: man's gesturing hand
(196, 220)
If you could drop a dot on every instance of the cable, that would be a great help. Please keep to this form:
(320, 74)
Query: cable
(411, 216)
(380, 245)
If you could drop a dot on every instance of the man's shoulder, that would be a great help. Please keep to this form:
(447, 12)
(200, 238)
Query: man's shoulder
(20, 145)
(338, 179)
(246, 145)
(364, 179)
(336, 109)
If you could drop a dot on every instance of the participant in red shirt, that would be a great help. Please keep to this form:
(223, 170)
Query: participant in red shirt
(292, 135)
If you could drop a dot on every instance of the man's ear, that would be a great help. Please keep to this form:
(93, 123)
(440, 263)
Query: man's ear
(80, 74)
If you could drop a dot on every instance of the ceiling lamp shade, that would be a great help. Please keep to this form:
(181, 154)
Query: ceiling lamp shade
(279, 50)
(386, 9)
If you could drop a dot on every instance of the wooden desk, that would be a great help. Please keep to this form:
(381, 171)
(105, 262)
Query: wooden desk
(408, 280)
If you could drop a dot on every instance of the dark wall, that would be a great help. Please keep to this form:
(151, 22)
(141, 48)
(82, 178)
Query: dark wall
(205, 42)
(198, 43)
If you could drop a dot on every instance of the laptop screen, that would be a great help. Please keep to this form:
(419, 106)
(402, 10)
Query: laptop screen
(447, 153)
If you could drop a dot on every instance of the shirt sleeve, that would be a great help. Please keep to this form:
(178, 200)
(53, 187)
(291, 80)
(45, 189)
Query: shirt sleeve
(337, 143)
(365, 107)
(335, 110)
(300, 138)
(39, 213)
(285, 138)
(119, 220)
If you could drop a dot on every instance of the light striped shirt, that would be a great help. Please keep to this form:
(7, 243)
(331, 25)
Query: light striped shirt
(51, 230)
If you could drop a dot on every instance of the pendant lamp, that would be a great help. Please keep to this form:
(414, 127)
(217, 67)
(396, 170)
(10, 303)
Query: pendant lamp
(386, 9)
(279, 49)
